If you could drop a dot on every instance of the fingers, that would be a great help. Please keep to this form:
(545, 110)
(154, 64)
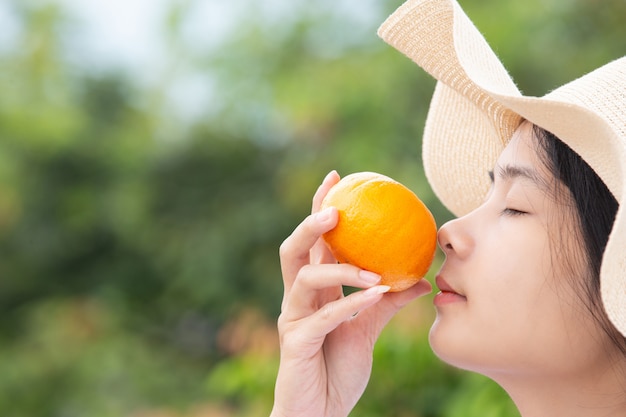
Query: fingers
(304, 245)
(397, 300)
(331, 179)
(317, 277)
(375, 307)
(317, 285)
(295, 250)
(393, 302)
(319, 251)
(326, 319)
(310, 331)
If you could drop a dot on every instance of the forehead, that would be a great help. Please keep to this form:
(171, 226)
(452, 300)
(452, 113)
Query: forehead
(521, 150)
(522, 161)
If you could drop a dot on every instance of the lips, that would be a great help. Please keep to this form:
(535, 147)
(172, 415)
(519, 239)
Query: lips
(447, 295)
(443, 285)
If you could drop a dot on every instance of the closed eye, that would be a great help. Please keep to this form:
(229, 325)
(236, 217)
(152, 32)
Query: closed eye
(513, 212)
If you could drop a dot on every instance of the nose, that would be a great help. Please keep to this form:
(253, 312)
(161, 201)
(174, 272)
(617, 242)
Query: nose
(455, 239)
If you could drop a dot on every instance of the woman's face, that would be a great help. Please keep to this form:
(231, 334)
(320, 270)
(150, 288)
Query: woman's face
(510, 306)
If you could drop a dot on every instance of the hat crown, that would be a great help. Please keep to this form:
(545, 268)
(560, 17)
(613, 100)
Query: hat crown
(601, 94)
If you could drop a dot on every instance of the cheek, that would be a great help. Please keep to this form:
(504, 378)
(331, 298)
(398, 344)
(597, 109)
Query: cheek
(514, 280)
(497, 328)
(511, 303)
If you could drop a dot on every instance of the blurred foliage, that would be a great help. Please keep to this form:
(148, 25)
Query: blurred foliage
(139, 272)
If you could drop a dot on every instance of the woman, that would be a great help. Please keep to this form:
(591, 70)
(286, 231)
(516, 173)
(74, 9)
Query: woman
(533, 288)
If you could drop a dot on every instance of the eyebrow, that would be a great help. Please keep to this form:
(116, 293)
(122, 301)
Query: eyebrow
(511, 172)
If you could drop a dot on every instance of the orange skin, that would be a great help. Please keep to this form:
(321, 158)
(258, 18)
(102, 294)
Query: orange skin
(383, 227)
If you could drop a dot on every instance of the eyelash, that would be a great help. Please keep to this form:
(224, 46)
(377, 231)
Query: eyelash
(507, 211)
(512, 212)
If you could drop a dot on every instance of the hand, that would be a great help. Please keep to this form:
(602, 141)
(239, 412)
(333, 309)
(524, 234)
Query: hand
(326, 338)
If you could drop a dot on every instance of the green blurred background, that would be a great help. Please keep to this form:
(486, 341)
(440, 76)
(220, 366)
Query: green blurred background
(154, 155)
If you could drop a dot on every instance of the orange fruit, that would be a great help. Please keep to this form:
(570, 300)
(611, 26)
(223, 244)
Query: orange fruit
(383, 227)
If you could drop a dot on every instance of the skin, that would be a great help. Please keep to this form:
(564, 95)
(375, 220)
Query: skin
(509, 310)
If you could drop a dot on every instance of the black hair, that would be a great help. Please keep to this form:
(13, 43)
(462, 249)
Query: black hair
(595, 209)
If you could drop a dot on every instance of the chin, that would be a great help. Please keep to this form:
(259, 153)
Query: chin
(465, 349)
(454, 348)
(441, 343)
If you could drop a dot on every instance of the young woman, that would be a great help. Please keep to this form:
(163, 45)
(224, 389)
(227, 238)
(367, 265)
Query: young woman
(533, 288)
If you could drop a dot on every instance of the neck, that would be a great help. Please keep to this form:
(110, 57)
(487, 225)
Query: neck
(601, 393)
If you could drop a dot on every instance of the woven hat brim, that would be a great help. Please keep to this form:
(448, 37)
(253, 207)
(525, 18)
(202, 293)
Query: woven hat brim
(476, 108)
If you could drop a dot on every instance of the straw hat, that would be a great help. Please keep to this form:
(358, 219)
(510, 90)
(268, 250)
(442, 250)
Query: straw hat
(476, 107)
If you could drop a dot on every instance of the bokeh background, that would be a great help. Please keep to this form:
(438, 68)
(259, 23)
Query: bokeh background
(155, 153)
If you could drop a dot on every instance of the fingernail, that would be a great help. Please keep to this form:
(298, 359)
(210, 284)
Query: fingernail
(330, 175)
(368, 277)
(324, 215)
(379, 289)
